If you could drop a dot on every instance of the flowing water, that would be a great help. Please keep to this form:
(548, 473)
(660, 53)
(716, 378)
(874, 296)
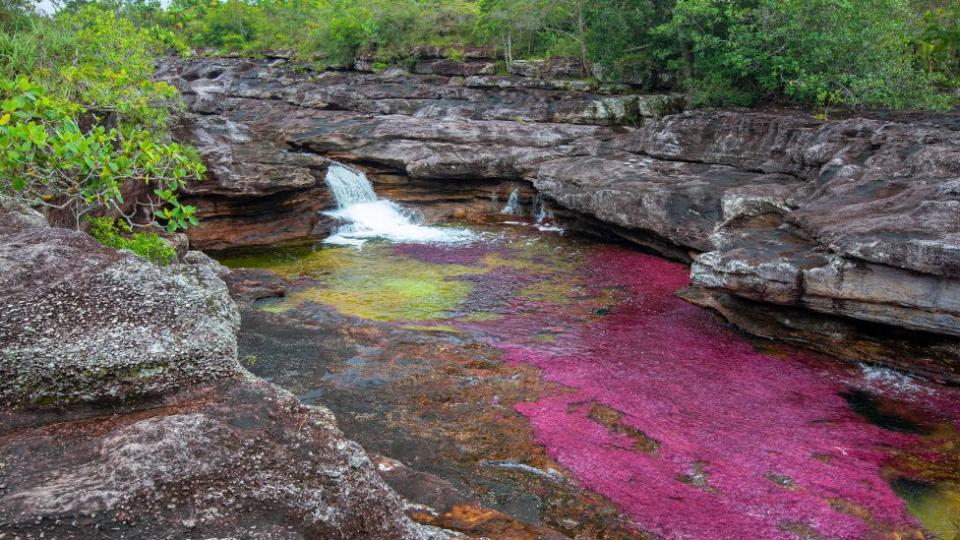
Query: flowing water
(513, 206)
(365, 216)
(563, 381)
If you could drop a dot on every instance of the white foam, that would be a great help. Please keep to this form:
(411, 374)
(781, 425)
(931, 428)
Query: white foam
(879, 378)
(367, 217)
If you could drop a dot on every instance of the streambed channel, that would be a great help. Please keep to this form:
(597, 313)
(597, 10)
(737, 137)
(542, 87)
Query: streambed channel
(561, 381)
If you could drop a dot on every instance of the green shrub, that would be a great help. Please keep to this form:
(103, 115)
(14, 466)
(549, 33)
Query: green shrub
(80, 116)
(48, 159)
(853, 53)
(117, 234)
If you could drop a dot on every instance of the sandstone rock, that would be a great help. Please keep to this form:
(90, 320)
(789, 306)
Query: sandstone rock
(239, 458)
(551, 68)
(250, 284)
(15, 216)
(126, 414)
(255, 193)
(454, 68)
(863, 208)
(929, 355)
(83, 322)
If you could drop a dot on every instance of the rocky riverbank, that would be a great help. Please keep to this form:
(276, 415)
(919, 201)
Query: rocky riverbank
(844, 232)
(127, 415)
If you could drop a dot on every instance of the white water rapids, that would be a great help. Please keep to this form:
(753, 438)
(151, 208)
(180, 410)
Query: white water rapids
(366, 216)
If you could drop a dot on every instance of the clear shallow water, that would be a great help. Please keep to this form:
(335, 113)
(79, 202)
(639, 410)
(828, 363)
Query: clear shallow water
(689, 428)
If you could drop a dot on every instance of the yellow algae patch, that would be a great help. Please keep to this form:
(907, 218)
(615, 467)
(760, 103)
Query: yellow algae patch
(938, 512)
(440, 328)
(294, 263)
(371, 285)
(548, 290)
(483, 316)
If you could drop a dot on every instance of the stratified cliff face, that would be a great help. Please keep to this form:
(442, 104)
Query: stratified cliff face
(850, 226)
(125, 413)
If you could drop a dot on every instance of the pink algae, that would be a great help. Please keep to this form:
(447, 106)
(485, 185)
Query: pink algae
(749, 445)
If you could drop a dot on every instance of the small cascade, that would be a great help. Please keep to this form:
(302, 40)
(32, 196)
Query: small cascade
(540, 212)
(349, 186)
(513, 207)
(366, 216)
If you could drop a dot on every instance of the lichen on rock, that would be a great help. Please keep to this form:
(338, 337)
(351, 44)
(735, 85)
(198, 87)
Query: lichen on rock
(80, 322)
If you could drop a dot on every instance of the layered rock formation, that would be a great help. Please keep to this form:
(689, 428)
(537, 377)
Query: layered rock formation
(851, 224)
(127, 414)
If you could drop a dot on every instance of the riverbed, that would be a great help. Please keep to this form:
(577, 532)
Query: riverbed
(560, 380)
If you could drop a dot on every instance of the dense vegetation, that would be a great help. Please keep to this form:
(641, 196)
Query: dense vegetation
(857, 53)
(82, 121)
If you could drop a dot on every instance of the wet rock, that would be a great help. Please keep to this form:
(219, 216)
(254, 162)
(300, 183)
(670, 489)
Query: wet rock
(126, 414)
(930, 355)
(864, 222)
(251, 284)
(255, 192)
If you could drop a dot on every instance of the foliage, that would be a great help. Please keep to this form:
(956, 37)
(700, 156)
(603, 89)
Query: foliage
(118, 235)
(49, 159)
(853, 53)
(938, 42)
(80, 116)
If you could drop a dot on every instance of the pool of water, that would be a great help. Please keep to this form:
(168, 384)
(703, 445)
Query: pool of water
(576, 359)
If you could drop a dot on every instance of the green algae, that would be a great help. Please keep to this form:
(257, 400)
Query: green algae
(929, 481)
(375, 283)
(291, 263)
(482, 316)
(369, 283)
(938, 510)
(549, 290)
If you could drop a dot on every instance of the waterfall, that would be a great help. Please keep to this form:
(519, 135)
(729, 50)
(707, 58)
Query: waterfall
(513, 207)
(366, 216)
(349, 187)
(540, 211)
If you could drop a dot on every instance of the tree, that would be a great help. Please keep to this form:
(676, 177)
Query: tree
(515, 23)
(14, 11)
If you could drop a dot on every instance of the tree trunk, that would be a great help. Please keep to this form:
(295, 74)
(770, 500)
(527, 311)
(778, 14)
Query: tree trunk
(582, 37)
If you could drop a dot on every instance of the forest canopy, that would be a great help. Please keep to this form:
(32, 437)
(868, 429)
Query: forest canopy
(855, 53)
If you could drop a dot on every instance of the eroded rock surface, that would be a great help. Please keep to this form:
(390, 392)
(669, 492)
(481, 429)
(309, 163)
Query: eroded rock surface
(239, 458)
(83, 322)
(127, 415)
(856, 219)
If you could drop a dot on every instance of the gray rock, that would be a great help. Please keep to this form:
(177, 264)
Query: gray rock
(83, 322)
(239, 458)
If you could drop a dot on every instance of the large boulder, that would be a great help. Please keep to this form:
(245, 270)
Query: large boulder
(80, 322)
(239, 459)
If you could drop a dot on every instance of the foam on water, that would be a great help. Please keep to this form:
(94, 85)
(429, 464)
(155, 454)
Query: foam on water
(366, 216)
